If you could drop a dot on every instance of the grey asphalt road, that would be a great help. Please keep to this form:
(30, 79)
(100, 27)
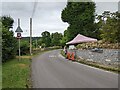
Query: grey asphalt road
(51, 70)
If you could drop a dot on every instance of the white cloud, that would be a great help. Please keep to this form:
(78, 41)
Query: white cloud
(106, 6)
(47, 15)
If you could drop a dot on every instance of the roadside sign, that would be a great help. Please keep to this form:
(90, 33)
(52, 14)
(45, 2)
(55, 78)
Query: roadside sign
(18, 29)
(19, 35)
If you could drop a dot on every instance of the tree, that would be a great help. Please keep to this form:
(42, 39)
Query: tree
(64, 38)
(46, 38)
(40, 41)
(55, 38)
(24, 47)
(118, 26)
(9, 43)
(7, 21)
(109, 28)
(0, 38)
(80, 17)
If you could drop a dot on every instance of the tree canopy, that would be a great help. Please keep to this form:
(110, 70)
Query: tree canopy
(55, 38)
(80, 16)
(109, 25)
(46, 40)
(9, 43)
(7, 21)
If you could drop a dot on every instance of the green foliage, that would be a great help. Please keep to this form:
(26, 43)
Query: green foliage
(7, 21)
(80, 16)
(16, 74)
(109, 28)
(9, 43)
(55, 39)
(64, 38)
(118, 27)
(40, 43)
(46, 38)
(63, 41)
(24, 47)
(0, 39)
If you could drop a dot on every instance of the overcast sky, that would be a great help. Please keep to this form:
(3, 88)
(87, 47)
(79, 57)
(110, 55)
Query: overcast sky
(47, 15)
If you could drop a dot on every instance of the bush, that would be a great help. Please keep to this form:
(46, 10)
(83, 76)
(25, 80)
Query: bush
(99, 44)
(24, 47)
(9, 45)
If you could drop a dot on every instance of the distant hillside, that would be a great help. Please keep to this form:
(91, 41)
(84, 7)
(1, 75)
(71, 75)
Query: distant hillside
(33, 38)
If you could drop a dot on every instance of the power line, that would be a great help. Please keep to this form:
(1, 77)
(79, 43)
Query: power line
(34, 8)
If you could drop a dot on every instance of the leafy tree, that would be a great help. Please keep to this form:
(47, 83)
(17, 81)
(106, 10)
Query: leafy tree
(0, 38)
(118, 26)
(109, 28)
(9, 43)
(46, 38)
(40, 41)
(80, 17)
(64, 38)
(55, 38)
(24, 47)
(7, 21)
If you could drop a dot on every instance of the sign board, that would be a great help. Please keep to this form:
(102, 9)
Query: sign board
(19, 35)
(18, 30)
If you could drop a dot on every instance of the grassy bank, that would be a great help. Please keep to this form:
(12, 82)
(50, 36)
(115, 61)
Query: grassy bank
(16, 74)
(0, 76)
(95, 64)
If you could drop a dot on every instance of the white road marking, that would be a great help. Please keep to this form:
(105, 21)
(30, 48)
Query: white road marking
(108, 60)
(94, 67)
(52, 56)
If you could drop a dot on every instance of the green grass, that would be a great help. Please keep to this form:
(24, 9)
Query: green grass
(101, 66)
(0, 76)
(16, 74)
(62, 53)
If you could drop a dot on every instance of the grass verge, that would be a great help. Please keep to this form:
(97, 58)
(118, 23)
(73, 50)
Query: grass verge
(16, 74)
(95, 64)
(0, 76)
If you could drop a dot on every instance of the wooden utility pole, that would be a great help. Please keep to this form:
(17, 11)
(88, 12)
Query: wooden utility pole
(30, 36)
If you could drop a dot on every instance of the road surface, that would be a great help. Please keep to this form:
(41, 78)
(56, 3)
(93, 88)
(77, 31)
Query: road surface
(51, 70)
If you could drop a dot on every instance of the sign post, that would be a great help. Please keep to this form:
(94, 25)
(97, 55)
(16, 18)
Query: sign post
(19, 31)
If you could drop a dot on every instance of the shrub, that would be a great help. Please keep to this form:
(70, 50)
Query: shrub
(24, 47)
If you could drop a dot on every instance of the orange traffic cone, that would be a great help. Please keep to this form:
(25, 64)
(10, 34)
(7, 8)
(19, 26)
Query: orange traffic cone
(68, 55)
(72, 56)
